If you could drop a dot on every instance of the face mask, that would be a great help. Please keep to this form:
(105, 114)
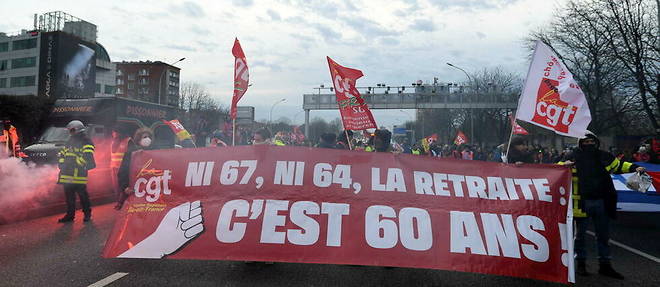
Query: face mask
(145, 142)
(589, 148)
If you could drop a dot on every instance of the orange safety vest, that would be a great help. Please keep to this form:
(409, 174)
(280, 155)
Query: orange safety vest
(117, 153)
(7, 137)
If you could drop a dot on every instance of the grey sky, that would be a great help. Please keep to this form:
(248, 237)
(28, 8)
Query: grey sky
(286, 41)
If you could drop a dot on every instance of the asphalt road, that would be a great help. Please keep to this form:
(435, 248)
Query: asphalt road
(42, 252)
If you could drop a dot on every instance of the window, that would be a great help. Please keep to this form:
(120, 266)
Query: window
(3, 83)
(131, 86)
(109, 89)
(131, 77)
(143, 72)
(24, 62)
(144, 81)
(98, 88)
(174, 74)
(4, 47)
(24, 44)
(119, 73)
(3, 65)
(143, 91)
(120, 81)
(22, 81)
(119, 91)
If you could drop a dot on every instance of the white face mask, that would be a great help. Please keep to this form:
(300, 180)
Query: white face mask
(145, 142)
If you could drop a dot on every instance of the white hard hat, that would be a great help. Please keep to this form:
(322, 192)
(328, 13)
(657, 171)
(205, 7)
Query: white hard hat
(75, 125)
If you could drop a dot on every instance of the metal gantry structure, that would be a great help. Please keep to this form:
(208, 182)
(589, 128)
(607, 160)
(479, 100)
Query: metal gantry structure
(421, 96)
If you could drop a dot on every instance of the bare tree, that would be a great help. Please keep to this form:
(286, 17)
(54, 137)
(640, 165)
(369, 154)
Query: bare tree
(199, 111)
(609, 46)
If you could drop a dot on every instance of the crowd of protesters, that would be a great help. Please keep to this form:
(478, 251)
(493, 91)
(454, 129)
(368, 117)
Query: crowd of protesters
(521, 150)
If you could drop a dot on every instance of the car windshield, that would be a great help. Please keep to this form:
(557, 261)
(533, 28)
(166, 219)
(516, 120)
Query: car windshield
(55, 134)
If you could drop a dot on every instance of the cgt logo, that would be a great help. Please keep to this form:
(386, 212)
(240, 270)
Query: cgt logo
(551, 111)
(157, 183)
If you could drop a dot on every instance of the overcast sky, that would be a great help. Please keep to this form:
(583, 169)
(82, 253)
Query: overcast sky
(286, 41)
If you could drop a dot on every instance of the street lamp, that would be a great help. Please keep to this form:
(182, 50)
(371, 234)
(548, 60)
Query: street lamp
(466, 73)
(471, 111)
(270, 117)
(160, 79)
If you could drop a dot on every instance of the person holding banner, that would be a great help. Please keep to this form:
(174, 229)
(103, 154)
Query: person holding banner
(519, 152)
(382, 139)
(261, 136)
(141, 140)
(594, 197)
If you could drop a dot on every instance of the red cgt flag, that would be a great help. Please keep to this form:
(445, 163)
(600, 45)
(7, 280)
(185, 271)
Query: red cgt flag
(517, 129)
(355, 113)
(461, 138)
(241, 76)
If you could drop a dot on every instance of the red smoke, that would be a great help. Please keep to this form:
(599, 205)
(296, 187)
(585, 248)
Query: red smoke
(24, 189)
(28, 191)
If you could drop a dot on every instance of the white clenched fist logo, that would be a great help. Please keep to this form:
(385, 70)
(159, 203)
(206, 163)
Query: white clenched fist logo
(180, 225)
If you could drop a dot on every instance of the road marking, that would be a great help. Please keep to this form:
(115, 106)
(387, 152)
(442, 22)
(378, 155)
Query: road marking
(633, 250)
(107, 280)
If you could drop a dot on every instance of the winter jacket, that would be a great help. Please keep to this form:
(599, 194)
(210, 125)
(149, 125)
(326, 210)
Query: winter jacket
(75, 159)
(591, 179)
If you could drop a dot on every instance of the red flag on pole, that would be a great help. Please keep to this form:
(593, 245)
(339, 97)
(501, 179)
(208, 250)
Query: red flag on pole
(241, 76)
(461, 138)
(355, 113)
(517, 129)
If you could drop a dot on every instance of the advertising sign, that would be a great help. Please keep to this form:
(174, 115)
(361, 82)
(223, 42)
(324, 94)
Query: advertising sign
(67, 66)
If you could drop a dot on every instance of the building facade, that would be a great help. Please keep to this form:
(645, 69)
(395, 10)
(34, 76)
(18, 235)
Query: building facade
(148, 81)
(58, 58)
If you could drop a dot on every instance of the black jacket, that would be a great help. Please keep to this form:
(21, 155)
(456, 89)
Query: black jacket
(517, 156)
(124, 169)
(592, 171)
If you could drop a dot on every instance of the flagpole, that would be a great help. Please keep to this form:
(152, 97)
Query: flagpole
(233, 132)
(506, 155)
(350, 147)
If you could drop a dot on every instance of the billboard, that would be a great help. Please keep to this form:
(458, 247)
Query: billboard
(67, 66)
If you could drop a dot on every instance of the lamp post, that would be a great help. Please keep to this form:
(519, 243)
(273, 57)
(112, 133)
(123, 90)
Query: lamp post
(471, 110)
(270, 117)
(160, 79)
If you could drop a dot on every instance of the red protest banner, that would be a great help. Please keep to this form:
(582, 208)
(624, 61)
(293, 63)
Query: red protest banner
(241, 77)
(355, 113)
(293, 204)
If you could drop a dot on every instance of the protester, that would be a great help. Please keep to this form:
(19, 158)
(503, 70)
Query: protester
(142, 140)
(342, 140)
(642, 154)
(327, 140)
(261, 137)
(118, 148)
(595, 198)
(519, 152)
(280, 139)
(9, 140)
(74, 161)
(382, 140)
(467, 154)
(217, 139)
(416, 149)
